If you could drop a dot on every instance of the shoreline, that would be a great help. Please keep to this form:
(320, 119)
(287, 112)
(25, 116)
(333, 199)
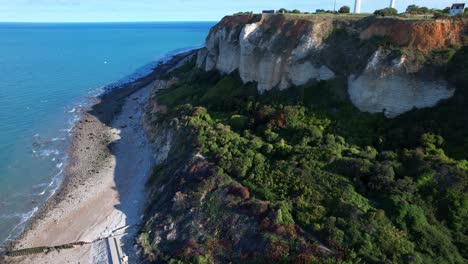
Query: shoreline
(99, 134)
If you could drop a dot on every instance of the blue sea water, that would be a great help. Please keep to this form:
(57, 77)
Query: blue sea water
(47, 71)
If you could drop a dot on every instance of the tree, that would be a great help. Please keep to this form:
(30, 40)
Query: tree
(283, 11)
(415, 10)
(344, 10)
(386, 12)
(423, 10)
(296, 11)
(412, 9)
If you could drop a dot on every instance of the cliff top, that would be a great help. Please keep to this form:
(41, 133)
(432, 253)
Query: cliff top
(319, 16)
(424, 35)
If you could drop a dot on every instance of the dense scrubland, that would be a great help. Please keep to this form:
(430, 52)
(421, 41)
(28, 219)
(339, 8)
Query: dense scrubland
(356, 187)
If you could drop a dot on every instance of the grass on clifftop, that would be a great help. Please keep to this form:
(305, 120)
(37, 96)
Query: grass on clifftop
(352, 16)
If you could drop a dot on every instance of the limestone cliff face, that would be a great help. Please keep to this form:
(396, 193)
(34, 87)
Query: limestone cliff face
(278, 51)
(270, 51)
(386, 86)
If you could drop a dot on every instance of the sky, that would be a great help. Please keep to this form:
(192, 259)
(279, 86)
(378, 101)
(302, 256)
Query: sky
(171, 10)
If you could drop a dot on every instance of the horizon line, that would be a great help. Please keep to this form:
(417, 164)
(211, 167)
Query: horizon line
(155, 21)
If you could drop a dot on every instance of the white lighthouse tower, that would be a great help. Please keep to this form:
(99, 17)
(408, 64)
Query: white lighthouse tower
(392, 3)
(357, 7)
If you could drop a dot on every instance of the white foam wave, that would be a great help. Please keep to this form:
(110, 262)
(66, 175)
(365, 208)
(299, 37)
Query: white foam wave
(68, 130)
(54, 183)
(39, 185)
(18, 228)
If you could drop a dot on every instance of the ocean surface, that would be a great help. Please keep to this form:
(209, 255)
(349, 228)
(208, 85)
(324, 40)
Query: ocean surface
(47, 72)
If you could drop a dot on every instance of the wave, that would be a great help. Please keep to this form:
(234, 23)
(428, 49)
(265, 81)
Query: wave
(19, 227)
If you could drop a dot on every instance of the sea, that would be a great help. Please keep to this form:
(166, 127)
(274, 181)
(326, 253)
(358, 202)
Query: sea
(48, 72)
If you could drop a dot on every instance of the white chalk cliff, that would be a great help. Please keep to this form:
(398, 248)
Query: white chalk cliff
(257, 58)
(388, 88)
(279, 52)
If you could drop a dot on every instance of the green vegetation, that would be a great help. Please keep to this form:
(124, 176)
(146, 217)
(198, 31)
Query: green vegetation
(381, 190)
(286, 11)
(386, 12)
(416, 10)
(438, 15)
(243, 13)
(344, 10)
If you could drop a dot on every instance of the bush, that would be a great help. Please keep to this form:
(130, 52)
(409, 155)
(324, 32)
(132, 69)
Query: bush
(285, 11)
(386, 12)
(344, 10)
(243, 13)
(438, 15)
(239, 122)
(416, 10)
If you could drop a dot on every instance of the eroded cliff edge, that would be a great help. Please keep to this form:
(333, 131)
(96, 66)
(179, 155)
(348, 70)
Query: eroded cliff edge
(300, 175)
(388, 65)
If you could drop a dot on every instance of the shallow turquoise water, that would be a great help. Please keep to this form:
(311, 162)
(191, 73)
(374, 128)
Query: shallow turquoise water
(46, 72)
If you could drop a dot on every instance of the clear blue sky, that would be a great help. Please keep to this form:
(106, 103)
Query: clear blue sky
(170, 10)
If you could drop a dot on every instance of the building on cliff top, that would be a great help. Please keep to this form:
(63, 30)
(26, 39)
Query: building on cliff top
(457, 9)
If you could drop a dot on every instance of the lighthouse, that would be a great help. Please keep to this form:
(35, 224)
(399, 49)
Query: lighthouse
(357, 7)
(392, 3)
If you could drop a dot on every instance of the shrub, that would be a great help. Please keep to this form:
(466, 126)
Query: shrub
(243, 13)
(284, 216)
(285, 11)
(344, 10)
(239, 122)
(416, 10)
(438, 15)
(386, 12)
